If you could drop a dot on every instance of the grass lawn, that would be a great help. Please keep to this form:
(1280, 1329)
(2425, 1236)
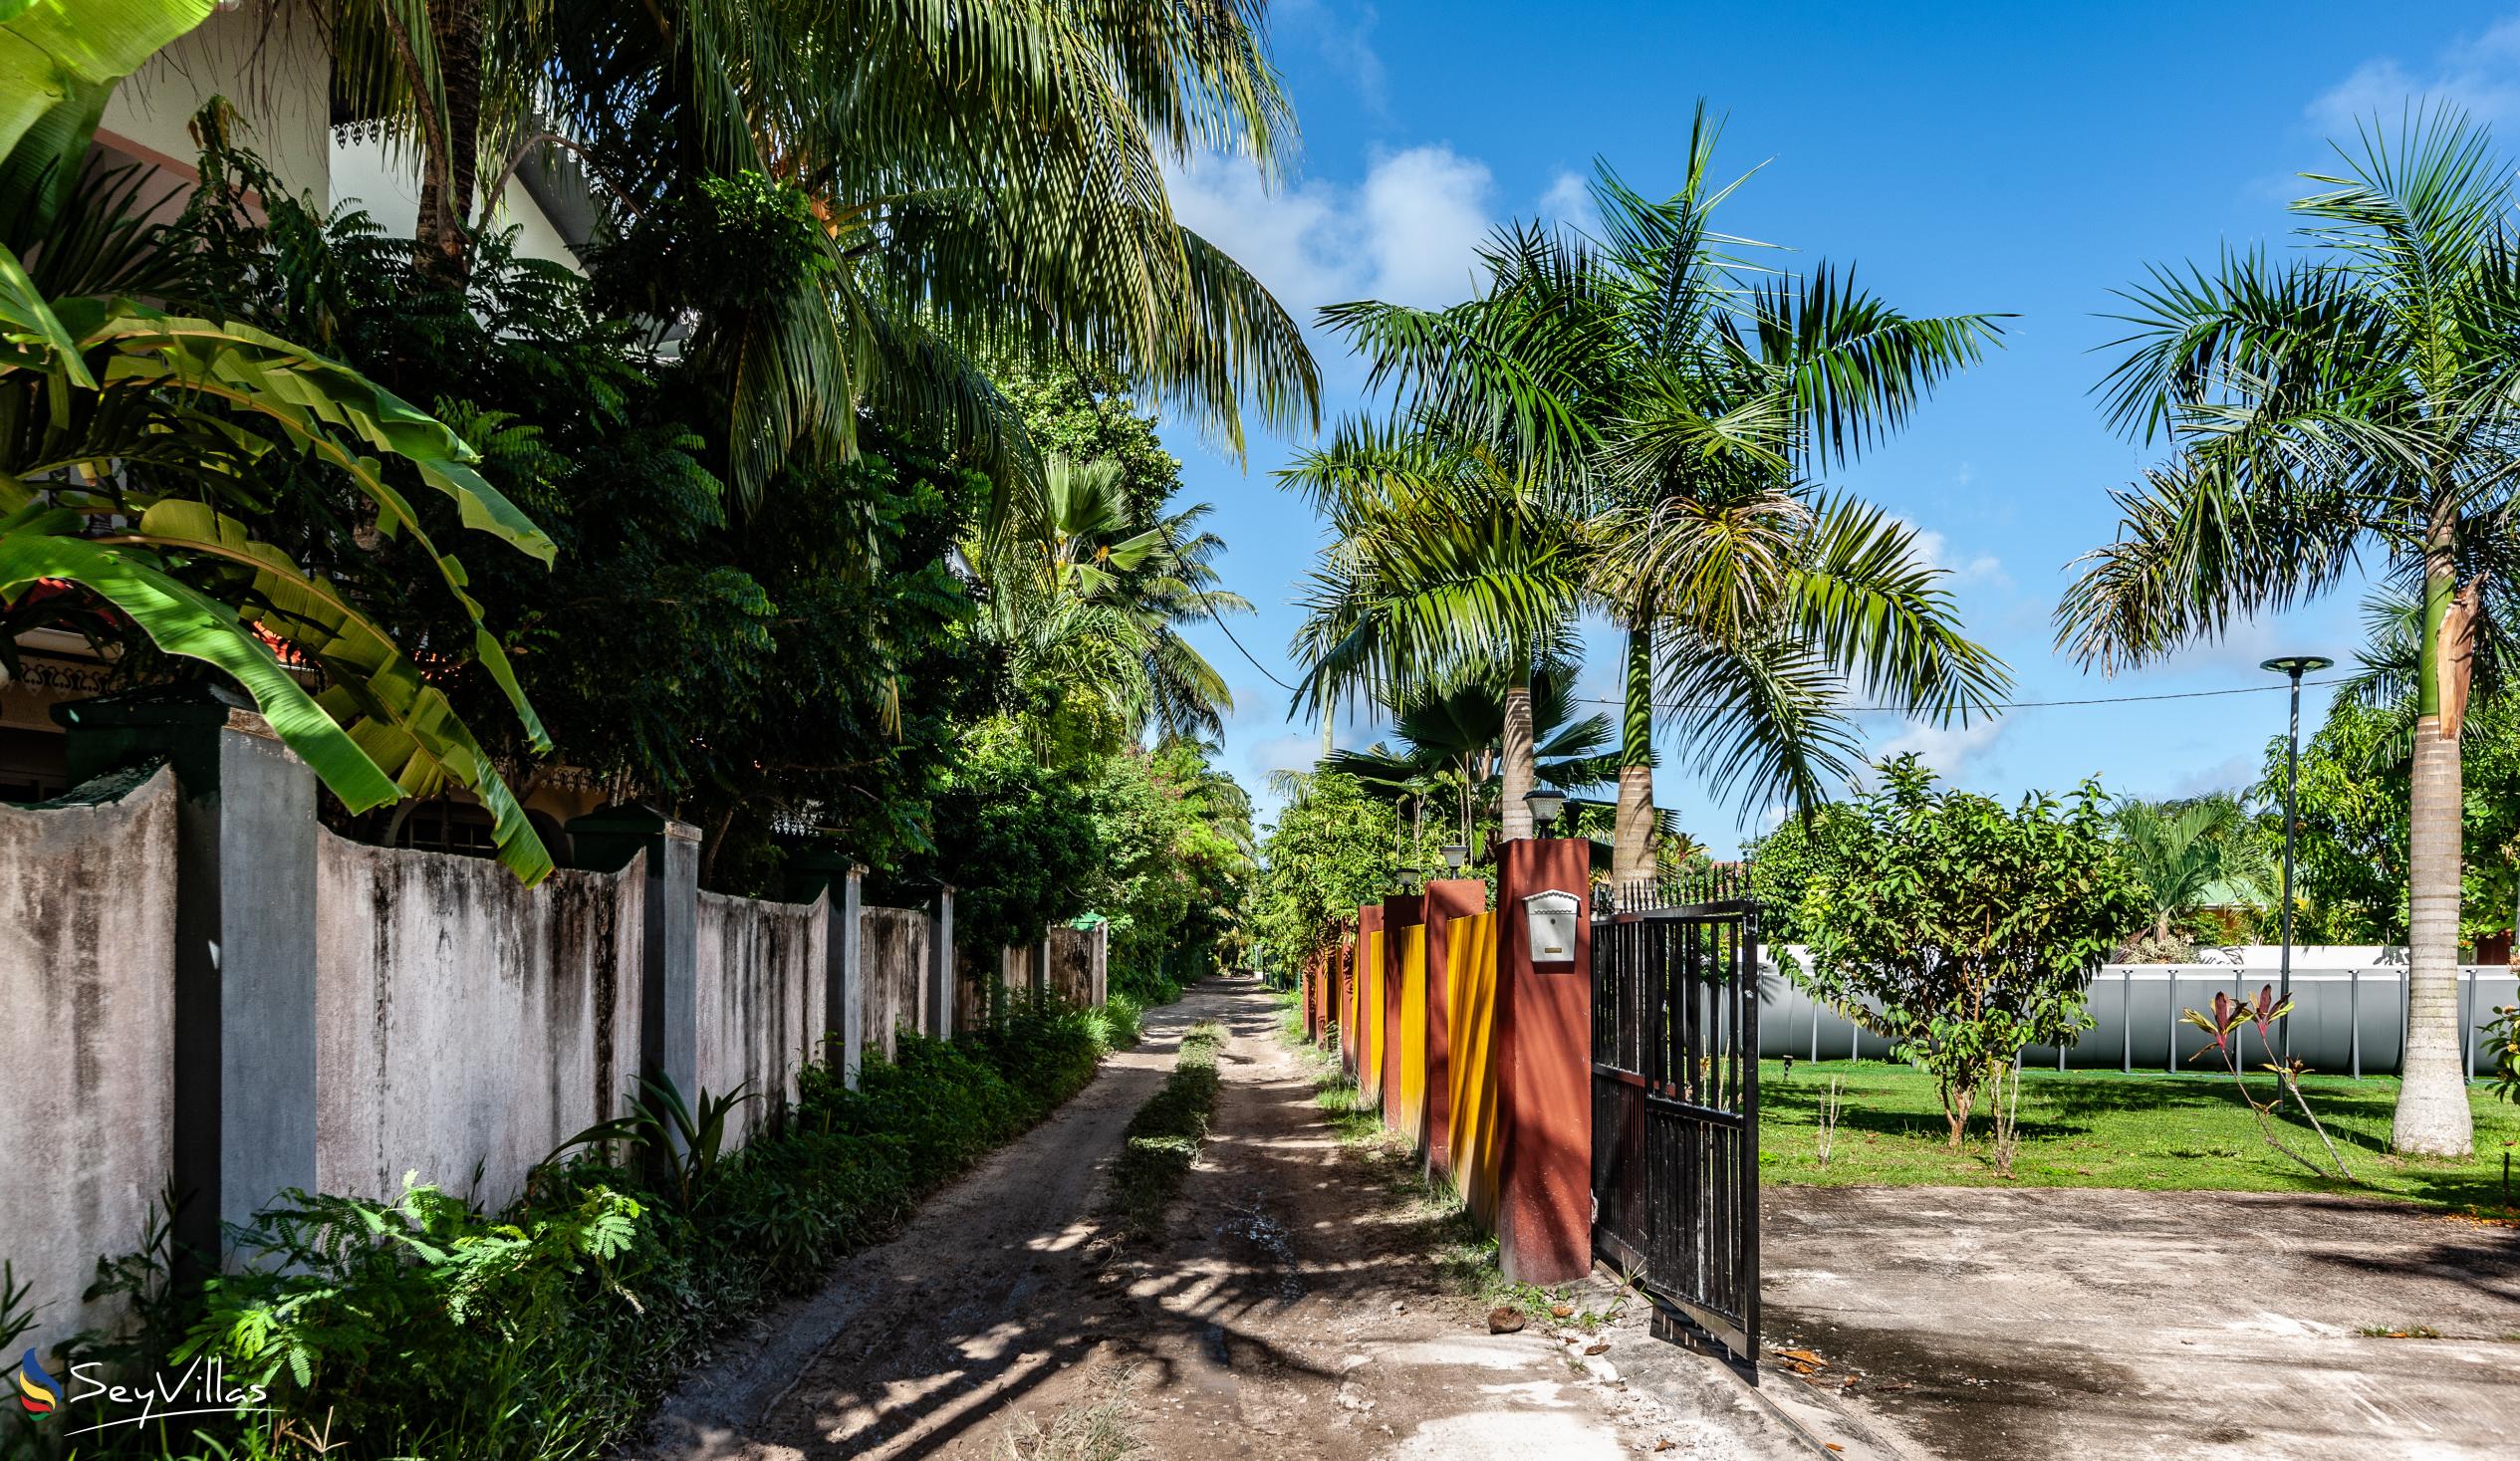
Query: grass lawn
(2098, 1129)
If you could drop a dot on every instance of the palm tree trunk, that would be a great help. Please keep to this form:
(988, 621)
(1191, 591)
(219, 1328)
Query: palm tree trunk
(1632, 852)
(448, 183)
(2433, 1114)
(1521, 770)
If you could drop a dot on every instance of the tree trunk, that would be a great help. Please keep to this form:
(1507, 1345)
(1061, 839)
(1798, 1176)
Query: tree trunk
(2433, 1114)
(1631, 852)
(1521, 770)
(447, 181)
(2162, 926)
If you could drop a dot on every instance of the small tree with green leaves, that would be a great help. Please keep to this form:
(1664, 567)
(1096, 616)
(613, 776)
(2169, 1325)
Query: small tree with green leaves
(1961, 929)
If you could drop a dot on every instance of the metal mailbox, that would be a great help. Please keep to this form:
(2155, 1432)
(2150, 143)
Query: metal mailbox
(1551, 918)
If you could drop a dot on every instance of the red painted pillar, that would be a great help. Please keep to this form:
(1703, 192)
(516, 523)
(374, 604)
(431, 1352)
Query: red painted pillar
(1446, 899)
(1543, 1219)
(1367, 985)
(1400, 912)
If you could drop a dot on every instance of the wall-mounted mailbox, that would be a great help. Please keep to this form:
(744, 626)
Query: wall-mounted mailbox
(1551, 917)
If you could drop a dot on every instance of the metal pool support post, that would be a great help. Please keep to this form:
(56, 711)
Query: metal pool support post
(2291, 666)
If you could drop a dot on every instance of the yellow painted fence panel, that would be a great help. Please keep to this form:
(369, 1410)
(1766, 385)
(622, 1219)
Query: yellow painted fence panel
(1370, 990)
(1470, 1007)
(1409, 1114)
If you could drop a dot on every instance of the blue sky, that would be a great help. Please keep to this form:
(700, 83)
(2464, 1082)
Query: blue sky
(1967, 158)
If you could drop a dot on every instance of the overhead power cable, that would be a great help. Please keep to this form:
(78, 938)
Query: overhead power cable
(2276, 688)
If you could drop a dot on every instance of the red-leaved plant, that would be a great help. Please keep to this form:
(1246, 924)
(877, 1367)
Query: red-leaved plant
(2224, 1024)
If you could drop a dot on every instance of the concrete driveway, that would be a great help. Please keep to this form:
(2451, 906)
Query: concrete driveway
(1974, 1322)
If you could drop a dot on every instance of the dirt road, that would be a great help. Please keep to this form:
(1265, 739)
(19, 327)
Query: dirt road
(1291, 1310)
(1977, 1324)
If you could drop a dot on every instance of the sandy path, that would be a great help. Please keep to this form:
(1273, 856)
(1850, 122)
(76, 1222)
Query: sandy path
(1290, 1311)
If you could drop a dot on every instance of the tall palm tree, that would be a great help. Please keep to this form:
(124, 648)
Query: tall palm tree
(1088, 608)
(2187, 851)
(2362, 396)
(1441, 560)
(1451, 734)
(1660, 385)
(985, 178)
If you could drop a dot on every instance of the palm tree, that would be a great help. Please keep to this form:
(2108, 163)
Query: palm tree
(2187, 854)
(2364, 396)
(1087, 609)
(1451, 733)
(1440, 561)
(982, 179)
(1657, 384)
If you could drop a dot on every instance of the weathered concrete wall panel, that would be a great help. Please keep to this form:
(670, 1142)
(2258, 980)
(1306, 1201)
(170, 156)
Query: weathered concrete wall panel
(464, 1021)
(87, 1038)
(762, 981)
(1076, 956)
(894, 945)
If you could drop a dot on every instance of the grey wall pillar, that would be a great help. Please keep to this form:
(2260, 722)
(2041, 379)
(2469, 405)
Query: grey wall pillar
(244, 1055)
(843, 882)
(670, 934)
(941, 966)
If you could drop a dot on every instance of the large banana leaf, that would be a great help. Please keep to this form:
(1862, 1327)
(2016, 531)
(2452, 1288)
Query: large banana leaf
(398, 719)
(320, 405)
(37, 544)
(66, 55)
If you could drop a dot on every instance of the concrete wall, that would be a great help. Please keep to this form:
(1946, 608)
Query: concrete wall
(86, 1036)
(762, 982)
(1079, 963)
(893, 947)
(465, 1021)
(269, 59)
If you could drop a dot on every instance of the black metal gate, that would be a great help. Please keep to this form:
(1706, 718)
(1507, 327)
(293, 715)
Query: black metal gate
(1676, 1102)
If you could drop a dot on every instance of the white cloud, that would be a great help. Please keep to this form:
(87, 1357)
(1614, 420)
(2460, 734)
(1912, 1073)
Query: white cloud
(1568, 202)
(1977, 567)
(1948, 750)
(1408, 233)
(2480, 73)
(1423, 213)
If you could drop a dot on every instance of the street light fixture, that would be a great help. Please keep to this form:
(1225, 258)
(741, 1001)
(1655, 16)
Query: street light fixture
(1412, 879)
(1545, 806)
(2293, 666)
(1457, 855)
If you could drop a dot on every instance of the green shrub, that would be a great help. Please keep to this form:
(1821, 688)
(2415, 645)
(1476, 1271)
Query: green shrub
(1163, 1138)
(427, 1327)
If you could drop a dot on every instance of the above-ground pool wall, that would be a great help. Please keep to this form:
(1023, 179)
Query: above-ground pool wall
(86, 1036)
(2342, 1021)
(763, 982)
(463, 1020)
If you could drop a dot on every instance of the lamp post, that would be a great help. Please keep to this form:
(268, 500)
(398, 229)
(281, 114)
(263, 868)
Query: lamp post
(1411, 878)
(1545, 806)
(1457, 855)
(2293, 666)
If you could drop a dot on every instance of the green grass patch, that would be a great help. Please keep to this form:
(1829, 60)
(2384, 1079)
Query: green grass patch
(1163, 1138)
(2099, 1128)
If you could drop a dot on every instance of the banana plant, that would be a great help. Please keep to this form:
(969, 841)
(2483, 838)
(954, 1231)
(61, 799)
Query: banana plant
(114, 415)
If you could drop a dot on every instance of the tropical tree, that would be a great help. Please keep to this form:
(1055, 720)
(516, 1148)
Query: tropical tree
(1451, 734)
(1662, 386)
(1440, 561)
(2188, 853)
(133, 441)
(982, 179)
(1086, 603)
(2360, 398)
